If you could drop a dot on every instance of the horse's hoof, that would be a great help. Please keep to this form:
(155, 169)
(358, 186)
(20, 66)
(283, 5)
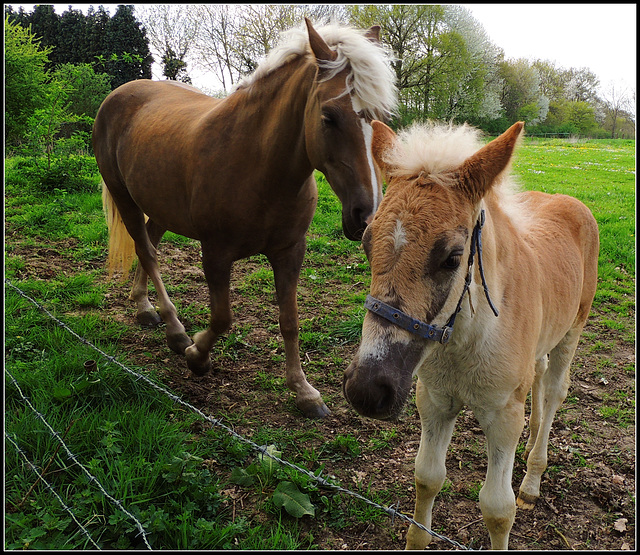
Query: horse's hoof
(417, 539)
(149, 319)
(178, 343)
(198, 363)
(314, 409)
(526, 501)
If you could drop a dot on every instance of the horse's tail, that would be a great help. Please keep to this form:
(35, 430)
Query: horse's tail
(122, 249)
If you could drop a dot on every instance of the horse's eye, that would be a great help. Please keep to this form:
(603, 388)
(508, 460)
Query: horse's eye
(327, 119)
(452, 261)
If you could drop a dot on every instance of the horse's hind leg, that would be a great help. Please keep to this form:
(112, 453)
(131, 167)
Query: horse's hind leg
(147, 315)
(133, 219)
(537, 401)
(286, 266)
(554, 384)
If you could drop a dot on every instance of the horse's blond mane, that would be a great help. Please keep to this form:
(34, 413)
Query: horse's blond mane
(372, 80)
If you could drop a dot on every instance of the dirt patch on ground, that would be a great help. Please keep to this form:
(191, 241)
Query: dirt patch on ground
(588, 492)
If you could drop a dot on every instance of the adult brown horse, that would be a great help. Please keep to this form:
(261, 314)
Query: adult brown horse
(237, 174)
(449, 207)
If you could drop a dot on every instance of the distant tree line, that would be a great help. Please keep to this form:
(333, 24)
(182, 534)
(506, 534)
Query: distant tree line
(446, 66)
(116, 45)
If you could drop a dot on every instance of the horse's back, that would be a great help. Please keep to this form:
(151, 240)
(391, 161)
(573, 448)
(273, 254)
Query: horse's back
(563, 232)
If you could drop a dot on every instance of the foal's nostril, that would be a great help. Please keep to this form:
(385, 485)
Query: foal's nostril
(385, 399)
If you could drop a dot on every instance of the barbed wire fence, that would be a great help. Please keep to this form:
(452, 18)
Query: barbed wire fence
(317, 478)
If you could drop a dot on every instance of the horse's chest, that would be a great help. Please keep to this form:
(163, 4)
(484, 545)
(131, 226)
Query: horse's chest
(470, 382)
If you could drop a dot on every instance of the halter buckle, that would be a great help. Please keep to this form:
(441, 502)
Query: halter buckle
(446, 334)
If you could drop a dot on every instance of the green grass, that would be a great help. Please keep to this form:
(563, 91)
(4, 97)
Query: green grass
(149, 453)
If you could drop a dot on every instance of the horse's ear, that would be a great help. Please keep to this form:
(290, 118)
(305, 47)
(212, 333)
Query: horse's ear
(383, 140)
(479, 172)
(373, 34)
(319, 48)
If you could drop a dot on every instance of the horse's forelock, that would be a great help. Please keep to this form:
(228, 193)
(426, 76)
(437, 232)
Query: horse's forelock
(372, 79)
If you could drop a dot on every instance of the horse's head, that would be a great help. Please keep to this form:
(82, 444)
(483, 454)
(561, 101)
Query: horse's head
(418, 246)
(354, 84)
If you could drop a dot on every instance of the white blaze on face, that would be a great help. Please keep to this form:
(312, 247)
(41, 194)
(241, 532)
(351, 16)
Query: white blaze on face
(367, 133)
(399, 236)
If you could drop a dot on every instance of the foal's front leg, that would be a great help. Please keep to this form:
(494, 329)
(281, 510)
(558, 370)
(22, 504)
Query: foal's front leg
(502, 428)
(286, 271)
(437, 420)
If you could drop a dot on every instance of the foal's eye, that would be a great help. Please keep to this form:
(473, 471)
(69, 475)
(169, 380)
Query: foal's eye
(452, 261)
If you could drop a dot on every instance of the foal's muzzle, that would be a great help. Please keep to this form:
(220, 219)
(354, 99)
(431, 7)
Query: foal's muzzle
(378, 388)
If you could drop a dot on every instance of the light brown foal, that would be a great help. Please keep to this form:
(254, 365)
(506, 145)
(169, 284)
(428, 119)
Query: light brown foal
(482, 293)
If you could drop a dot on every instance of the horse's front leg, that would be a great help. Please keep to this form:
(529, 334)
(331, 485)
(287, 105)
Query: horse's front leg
(286, 271)
(502, 428)
(218, 274)
(437, 420)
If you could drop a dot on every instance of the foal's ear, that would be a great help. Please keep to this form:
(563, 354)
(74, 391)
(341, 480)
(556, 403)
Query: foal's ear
(373, 34)
(383, 140)
(479, 172)
(319, 48)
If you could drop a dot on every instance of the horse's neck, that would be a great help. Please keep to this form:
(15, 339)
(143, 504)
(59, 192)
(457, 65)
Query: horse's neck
(274, 108)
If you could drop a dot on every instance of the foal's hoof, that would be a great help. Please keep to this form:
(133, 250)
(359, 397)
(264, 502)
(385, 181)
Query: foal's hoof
(526, 501)
(313, 409)
(149, 319)
(417, 538)
(198, 363)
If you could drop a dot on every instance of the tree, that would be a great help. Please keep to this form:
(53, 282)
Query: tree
(130, 57)
(618, 108)
(521, 95)
(25, 78)
(172, 34)
(444, 64)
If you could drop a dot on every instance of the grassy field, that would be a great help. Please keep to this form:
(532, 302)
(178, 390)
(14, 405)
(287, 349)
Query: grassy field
(190, 486)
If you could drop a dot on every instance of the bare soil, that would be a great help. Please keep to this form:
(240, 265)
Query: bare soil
(588, 492)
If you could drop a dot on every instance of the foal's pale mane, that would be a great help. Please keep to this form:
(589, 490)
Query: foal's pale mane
(372, 80)
(434, 149)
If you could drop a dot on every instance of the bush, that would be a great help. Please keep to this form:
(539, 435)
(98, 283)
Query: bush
(71, 173)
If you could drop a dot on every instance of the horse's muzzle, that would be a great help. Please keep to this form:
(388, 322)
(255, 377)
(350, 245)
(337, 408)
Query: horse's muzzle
(354, 226)
(380, 388)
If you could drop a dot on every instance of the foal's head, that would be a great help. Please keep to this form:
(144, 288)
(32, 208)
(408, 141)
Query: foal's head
(418, 247)
(354, 84)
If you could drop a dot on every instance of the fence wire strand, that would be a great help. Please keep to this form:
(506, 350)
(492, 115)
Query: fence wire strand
(50, 487)
(390, 511)
(88, 474)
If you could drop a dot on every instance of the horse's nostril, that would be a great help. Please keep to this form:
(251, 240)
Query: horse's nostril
(385, 399)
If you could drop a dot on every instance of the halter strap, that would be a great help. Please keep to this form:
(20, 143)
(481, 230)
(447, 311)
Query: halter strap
(429, 331)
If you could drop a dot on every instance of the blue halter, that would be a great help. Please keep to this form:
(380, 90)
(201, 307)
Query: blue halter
(428, 331)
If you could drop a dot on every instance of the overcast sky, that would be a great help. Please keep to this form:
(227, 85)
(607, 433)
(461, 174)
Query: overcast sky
(601, 37)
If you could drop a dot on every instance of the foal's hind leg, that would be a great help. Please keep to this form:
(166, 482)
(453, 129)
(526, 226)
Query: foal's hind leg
(286, 270)
(554, 384)
(147, 315)
(537, 401)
